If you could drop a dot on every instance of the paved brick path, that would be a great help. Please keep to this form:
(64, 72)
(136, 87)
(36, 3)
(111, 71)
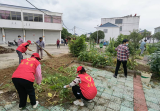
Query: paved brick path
(113, 95)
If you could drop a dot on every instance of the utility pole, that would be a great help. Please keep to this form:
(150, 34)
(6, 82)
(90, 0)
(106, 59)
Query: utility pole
(74, 30)
(97, 34)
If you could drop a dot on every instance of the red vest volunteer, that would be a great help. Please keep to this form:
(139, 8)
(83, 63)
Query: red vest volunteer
(86, 89)
(22, 49)
(23, 79)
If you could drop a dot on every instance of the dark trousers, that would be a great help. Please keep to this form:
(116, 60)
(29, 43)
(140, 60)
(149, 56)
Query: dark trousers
(19, 55)
(77, 93)
(58, 45)
(24, 88)
(124, 67)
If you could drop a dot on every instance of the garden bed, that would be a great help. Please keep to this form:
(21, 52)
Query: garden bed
(51, 68)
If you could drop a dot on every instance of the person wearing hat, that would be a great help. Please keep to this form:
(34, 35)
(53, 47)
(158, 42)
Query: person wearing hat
(41, 44)
(20, 40)
(23, 79)
(22, 49)
(122, 57)
(86, 89)
(143, 46)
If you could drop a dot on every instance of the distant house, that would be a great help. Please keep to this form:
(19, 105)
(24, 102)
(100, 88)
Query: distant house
(76, 34)
(113, 27)
(110, 30)
(156, 29)
(88, 35)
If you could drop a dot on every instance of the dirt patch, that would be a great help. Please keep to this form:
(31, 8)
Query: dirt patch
(6, 50)
(142, 67)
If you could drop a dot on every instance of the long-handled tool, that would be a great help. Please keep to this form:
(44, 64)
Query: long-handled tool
(44, 50)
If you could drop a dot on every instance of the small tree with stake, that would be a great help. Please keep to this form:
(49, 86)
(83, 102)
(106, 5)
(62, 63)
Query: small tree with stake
(134, 38)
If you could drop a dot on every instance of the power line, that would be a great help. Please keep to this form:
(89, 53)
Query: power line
(83, 29)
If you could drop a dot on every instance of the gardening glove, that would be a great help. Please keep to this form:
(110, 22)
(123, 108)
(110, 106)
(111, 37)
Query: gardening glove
(64, 86)
(33, 51)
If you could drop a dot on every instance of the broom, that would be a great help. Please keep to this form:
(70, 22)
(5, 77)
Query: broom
(44, 50)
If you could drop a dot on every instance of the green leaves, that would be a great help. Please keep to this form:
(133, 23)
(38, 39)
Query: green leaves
(78, 45)
(154, 62)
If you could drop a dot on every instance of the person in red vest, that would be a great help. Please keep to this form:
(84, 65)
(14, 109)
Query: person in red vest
(86, 89)
(23, 79)
(22, 49)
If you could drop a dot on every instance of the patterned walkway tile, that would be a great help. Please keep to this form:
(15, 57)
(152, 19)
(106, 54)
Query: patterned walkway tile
(2, 109)
(127, 103)
(153, 105)
(99, 108)
(123, 108)
(114, 106)
(139, 107)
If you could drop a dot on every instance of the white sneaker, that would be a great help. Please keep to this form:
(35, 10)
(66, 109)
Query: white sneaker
(78, 103)
(90, 101)
(35, 106)
(20, 108)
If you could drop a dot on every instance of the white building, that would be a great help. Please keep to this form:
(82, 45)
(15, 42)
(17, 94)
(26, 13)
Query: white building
(88, 35)
(157, 29)
(30, 23)
(112, 27)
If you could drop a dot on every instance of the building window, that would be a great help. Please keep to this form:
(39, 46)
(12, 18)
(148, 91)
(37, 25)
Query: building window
(52, 19)
(10, 15)
(120, 29)
(47, 19)
(32, 17)
(56, 19)
(118, 21)
(105, 30)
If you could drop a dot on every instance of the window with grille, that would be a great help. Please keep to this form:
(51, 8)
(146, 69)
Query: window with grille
(33, 17)
(105, 30)
(52, 19)
(118, 21)
(10, 15)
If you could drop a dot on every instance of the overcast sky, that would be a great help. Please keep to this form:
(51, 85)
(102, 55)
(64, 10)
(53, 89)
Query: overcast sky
(87, 14)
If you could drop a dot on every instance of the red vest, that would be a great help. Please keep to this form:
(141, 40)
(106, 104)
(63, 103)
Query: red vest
(22, 47)
(26, 70)
(87, 86)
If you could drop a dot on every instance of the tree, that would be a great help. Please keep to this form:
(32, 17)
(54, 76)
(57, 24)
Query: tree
(84, 36)
(65, 33)
(100, 35)
(145, 34)
(157, 35)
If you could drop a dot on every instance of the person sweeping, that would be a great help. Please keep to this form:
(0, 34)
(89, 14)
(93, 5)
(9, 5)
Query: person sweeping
(22, 49)
(86, 89)
(23, 79)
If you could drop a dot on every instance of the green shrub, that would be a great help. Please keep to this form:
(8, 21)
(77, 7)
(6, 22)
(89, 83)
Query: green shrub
(95, 58)
(78, 45)
(111, 48)
(154, 62)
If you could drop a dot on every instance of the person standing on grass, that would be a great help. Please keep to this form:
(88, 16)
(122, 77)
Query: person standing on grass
(20, 40)
(86, 89)
(22, 49)
(41, 44)
(122, 57)
(143, 46)
(23, 79)
(58, 45)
